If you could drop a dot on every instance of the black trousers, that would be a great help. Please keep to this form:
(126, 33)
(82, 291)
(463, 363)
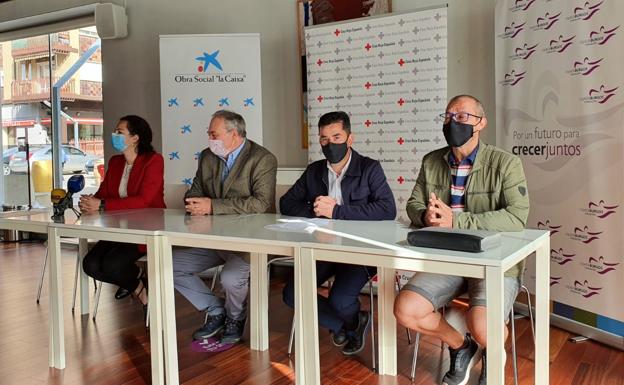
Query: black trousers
(114, 262)
(340, 309)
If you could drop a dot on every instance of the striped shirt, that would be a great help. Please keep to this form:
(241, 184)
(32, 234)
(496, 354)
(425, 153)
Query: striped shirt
(459, 177)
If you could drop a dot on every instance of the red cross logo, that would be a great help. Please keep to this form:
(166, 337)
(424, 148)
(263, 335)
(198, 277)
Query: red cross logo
(319, 62)
(400, 180)
(368, 85)
(368, 123)
(320, 98)
(368, 46)
(401, 62)
(337, 32)
(400, 141)
(401, 102)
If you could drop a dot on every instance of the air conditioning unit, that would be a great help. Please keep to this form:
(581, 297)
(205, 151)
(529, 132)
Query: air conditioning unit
(111, 21)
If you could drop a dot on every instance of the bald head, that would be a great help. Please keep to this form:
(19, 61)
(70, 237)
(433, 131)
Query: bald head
(467, 100)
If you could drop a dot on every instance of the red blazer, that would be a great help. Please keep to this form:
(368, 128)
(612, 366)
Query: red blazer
(146, 184)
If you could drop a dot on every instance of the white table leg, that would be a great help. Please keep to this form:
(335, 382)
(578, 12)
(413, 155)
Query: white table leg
(495, 336)
(307, 365)
(83, 249)
(542, 314)
(299, 353)
(168, 312)
(57, 335)
(387, 322)
(259, 302)
(155, 309)
(51, 357)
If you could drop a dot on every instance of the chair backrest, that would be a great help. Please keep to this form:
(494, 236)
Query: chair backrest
(286, 177)
(174, 195)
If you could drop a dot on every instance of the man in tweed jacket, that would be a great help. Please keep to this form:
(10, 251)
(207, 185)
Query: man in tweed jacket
(234, 176)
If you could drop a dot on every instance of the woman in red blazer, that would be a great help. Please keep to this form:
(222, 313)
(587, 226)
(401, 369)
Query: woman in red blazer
(133, 180)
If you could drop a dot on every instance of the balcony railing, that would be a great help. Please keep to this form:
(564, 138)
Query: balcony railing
(91, 89)
(34, 45)
(94, 146)
(39, 89)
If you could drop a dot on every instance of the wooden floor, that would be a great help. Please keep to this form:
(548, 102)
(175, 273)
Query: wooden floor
(115, 349)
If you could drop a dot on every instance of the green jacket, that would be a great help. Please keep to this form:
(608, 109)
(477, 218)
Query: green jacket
(497, 198)
(248, 189)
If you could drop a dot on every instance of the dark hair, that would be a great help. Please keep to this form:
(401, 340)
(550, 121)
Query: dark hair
(139, 126)
(335, 117)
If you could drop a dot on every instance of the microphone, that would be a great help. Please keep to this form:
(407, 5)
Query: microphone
(57, 195)
(63, 200)
(75, 184)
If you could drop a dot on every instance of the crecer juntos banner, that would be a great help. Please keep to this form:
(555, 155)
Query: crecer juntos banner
(559, 84)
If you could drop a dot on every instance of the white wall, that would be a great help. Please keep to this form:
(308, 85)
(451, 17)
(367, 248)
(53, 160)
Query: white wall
(91, 72)
(470, 50)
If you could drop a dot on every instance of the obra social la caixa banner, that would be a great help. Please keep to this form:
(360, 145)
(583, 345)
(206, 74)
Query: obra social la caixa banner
(560, 100)
(201, 74)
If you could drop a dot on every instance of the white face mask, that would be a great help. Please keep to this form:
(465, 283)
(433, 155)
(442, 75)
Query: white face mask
(217, 147)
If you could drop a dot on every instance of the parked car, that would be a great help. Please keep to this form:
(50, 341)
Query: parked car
(7, 152)
(92, 163)
(6, 157)
(74, 160)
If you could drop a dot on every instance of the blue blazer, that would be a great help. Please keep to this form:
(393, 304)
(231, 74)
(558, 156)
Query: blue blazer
(366, 194)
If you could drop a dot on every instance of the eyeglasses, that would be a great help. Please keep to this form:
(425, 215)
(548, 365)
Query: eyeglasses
(459, 117)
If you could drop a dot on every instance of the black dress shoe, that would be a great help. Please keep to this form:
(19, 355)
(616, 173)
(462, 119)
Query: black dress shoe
(122, 293)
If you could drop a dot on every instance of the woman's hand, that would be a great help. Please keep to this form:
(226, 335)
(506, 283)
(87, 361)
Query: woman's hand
(89, 204)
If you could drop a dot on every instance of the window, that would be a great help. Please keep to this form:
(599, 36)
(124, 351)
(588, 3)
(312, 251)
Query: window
(43, 70)
(26, 126)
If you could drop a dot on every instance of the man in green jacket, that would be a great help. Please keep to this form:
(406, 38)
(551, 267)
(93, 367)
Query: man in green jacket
(235, 176)
(467, 185)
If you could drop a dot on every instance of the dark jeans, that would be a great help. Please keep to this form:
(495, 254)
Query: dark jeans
(340, 309)
(113, 262)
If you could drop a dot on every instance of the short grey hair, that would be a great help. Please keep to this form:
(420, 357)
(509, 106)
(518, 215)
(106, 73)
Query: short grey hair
(232, 121)
(480, 109)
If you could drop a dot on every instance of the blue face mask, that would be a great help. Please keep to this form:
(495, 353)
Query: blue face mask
(118, 142)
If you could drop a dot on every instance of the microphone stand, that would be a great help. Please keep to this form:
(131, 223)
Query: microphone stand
(78, 213)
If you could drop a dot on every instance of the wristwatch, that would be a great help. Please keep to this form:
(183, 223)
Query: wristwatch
(102, 205)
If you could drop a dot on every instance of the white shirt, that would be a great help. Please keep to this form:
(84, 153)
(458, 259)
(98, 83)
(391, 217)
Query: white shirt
(334, 180)
(123, 185)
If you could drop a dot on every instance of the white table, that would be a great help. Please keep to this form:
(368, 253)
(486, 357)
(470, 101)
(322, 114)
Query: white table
(365, 243)
(130, 226)
(389, 253)
(244, 233)
(39, 221)
(160, 229)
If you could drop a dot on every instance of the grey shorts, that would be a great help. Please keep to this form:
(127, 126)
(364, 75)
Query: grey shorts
(441, 289)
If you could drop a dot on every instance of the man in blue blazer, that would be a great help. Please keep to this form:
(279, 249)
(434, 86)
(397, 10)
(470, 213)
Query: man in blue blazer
(348, 186)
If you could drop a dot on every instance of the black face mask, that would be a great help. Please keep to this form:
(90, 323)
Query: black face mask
(335, 152)
(457, 134)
